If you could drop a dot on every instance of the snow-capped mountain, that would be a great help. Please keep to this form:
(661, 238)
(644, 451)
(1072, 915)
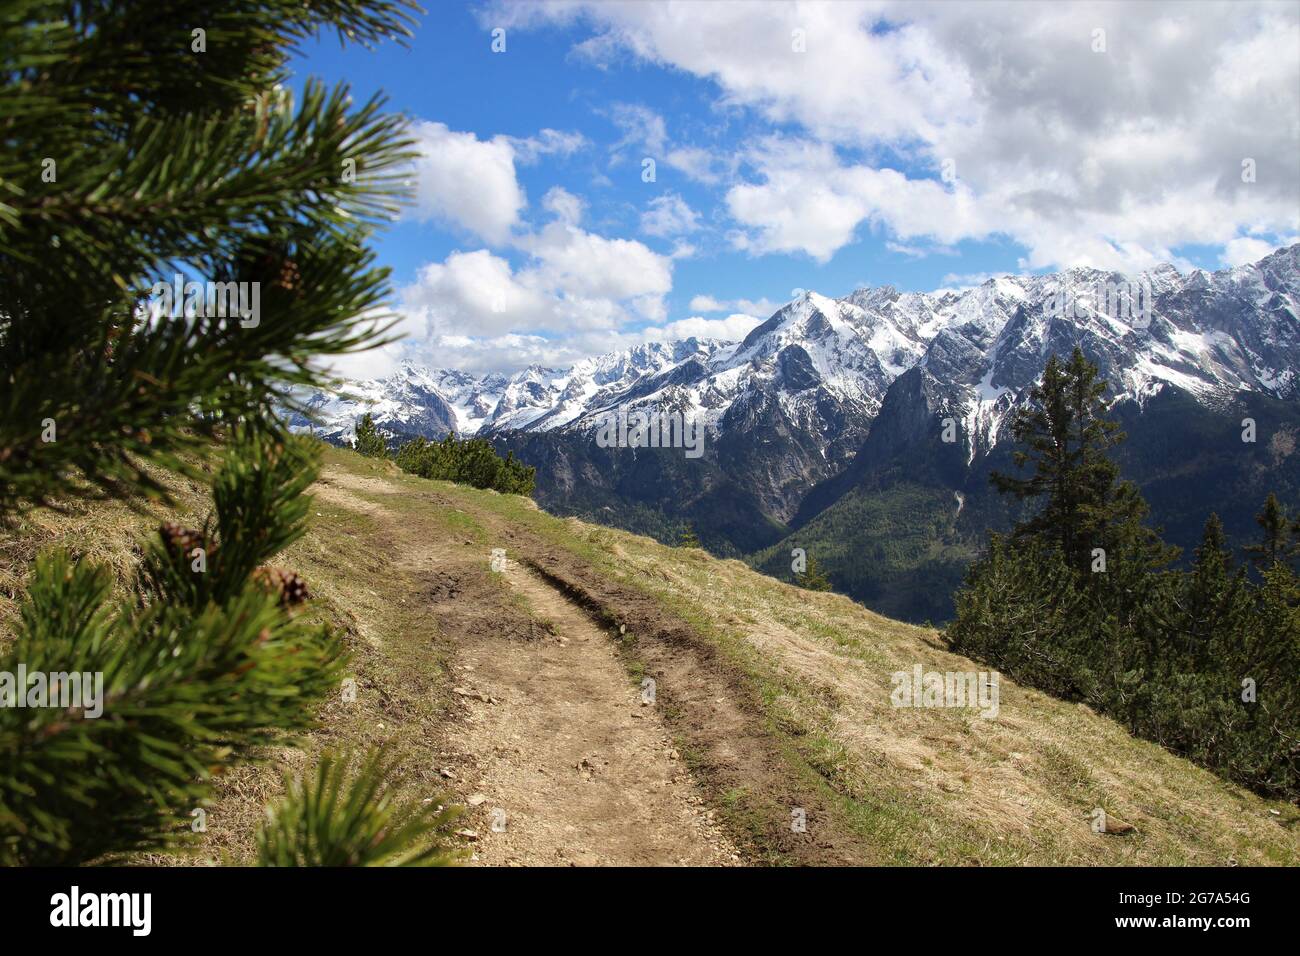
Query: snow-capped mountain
(823, 424)
(822, 362)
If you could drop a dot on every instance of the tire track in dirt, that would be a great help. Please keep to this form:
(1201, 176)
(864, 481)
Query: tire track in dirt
(562, 743)
(535, 702)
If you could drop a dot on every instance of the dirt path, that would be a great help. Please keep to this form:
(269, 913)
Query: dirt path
(562, 744)
(546, 729)
(539, 719)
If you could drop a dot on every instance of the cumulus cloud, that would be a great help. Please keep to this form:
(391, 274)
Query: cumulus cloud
(573, 292)
(1092, 133)
(471, 183)
(475, 291)
(545, 293)
(467, 182)
(731, 329)
(808, 201)
(564, 205)
(669, 215)
(1245, 249)
(749, 307)
(581, 264)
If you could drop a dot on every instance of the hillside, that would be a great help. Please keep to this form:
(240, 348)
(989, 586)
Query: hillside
(525, 688)
(823, 426)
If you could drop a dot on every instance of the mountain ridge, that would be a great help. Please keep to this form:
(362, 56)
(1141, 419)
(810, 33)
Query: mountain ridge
(990, 338)
(904, 398)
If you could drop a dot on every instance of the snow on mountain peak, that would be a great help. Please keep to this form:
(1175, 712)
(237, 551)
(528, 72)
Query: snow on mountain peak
(1207, 333)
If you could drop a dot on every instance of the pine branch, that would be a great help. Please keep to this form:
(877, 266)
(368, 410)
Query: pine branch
(194, 679)
(338, 818)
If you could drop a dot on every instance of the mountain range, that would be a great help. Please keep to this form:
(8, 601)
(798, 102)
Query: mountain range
(863, 428)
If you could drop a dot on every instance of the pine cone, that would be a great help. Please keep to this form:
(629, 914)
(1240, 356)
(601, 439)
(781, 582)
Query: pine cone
(292, 589)
(186, 540)
(285, 270)
(290, 276)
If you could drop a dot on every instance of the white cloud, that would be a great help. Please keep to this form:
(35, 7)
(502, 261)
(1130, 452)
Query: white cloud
(377, 362)
(669, 215)
(501, 353)
(564, 205)
(1245, 250)
(581, 264)
(467, 182)
(731, 329)
(511, 351)
(471, 184)
(707, 303)
(476, 292)
(700, 164)
(809, 202)
(761, 308)
(642, 127)
(546, 143)
(575, 293)
(1109, 159)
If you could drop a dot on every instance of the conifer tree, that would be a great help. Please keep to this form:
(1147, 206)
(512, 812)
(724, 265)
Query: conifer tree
(470, 461)
(689, 539)
(369, 441)
(340, 819)
(183, 242)
(1216, 601)
(812, 578)
(1067, 437)
(1201, 661)
(1277, 542)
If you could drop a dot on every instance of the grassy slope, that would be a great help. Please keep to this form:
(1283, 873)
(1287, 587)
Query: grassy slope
(812, 671)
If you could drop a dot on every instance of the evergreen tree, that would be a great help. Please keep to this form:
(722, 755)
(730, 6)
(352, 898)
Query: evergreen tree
(1200, 661)
(369, 441)
(1084, 504)
(144, 157)
(1216, 599)
(470, 461)
(1277, 543)
(138, 151)
(689, 539)
(812, 577)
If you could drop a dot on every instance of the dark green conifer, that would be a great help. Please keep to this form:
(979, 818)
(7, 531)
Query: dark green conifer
(139, 149)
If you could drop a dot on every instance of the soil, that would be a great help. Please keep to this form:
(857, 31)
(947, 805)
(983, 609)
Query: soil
(549, 729)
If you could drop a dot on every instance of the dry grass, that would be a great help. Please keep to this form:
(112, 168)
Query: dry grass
(357, 588)
(939, 785)
(921, 785)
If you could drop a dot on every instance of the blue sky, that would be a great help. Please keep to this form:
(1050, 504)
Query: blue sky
(810, 145)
